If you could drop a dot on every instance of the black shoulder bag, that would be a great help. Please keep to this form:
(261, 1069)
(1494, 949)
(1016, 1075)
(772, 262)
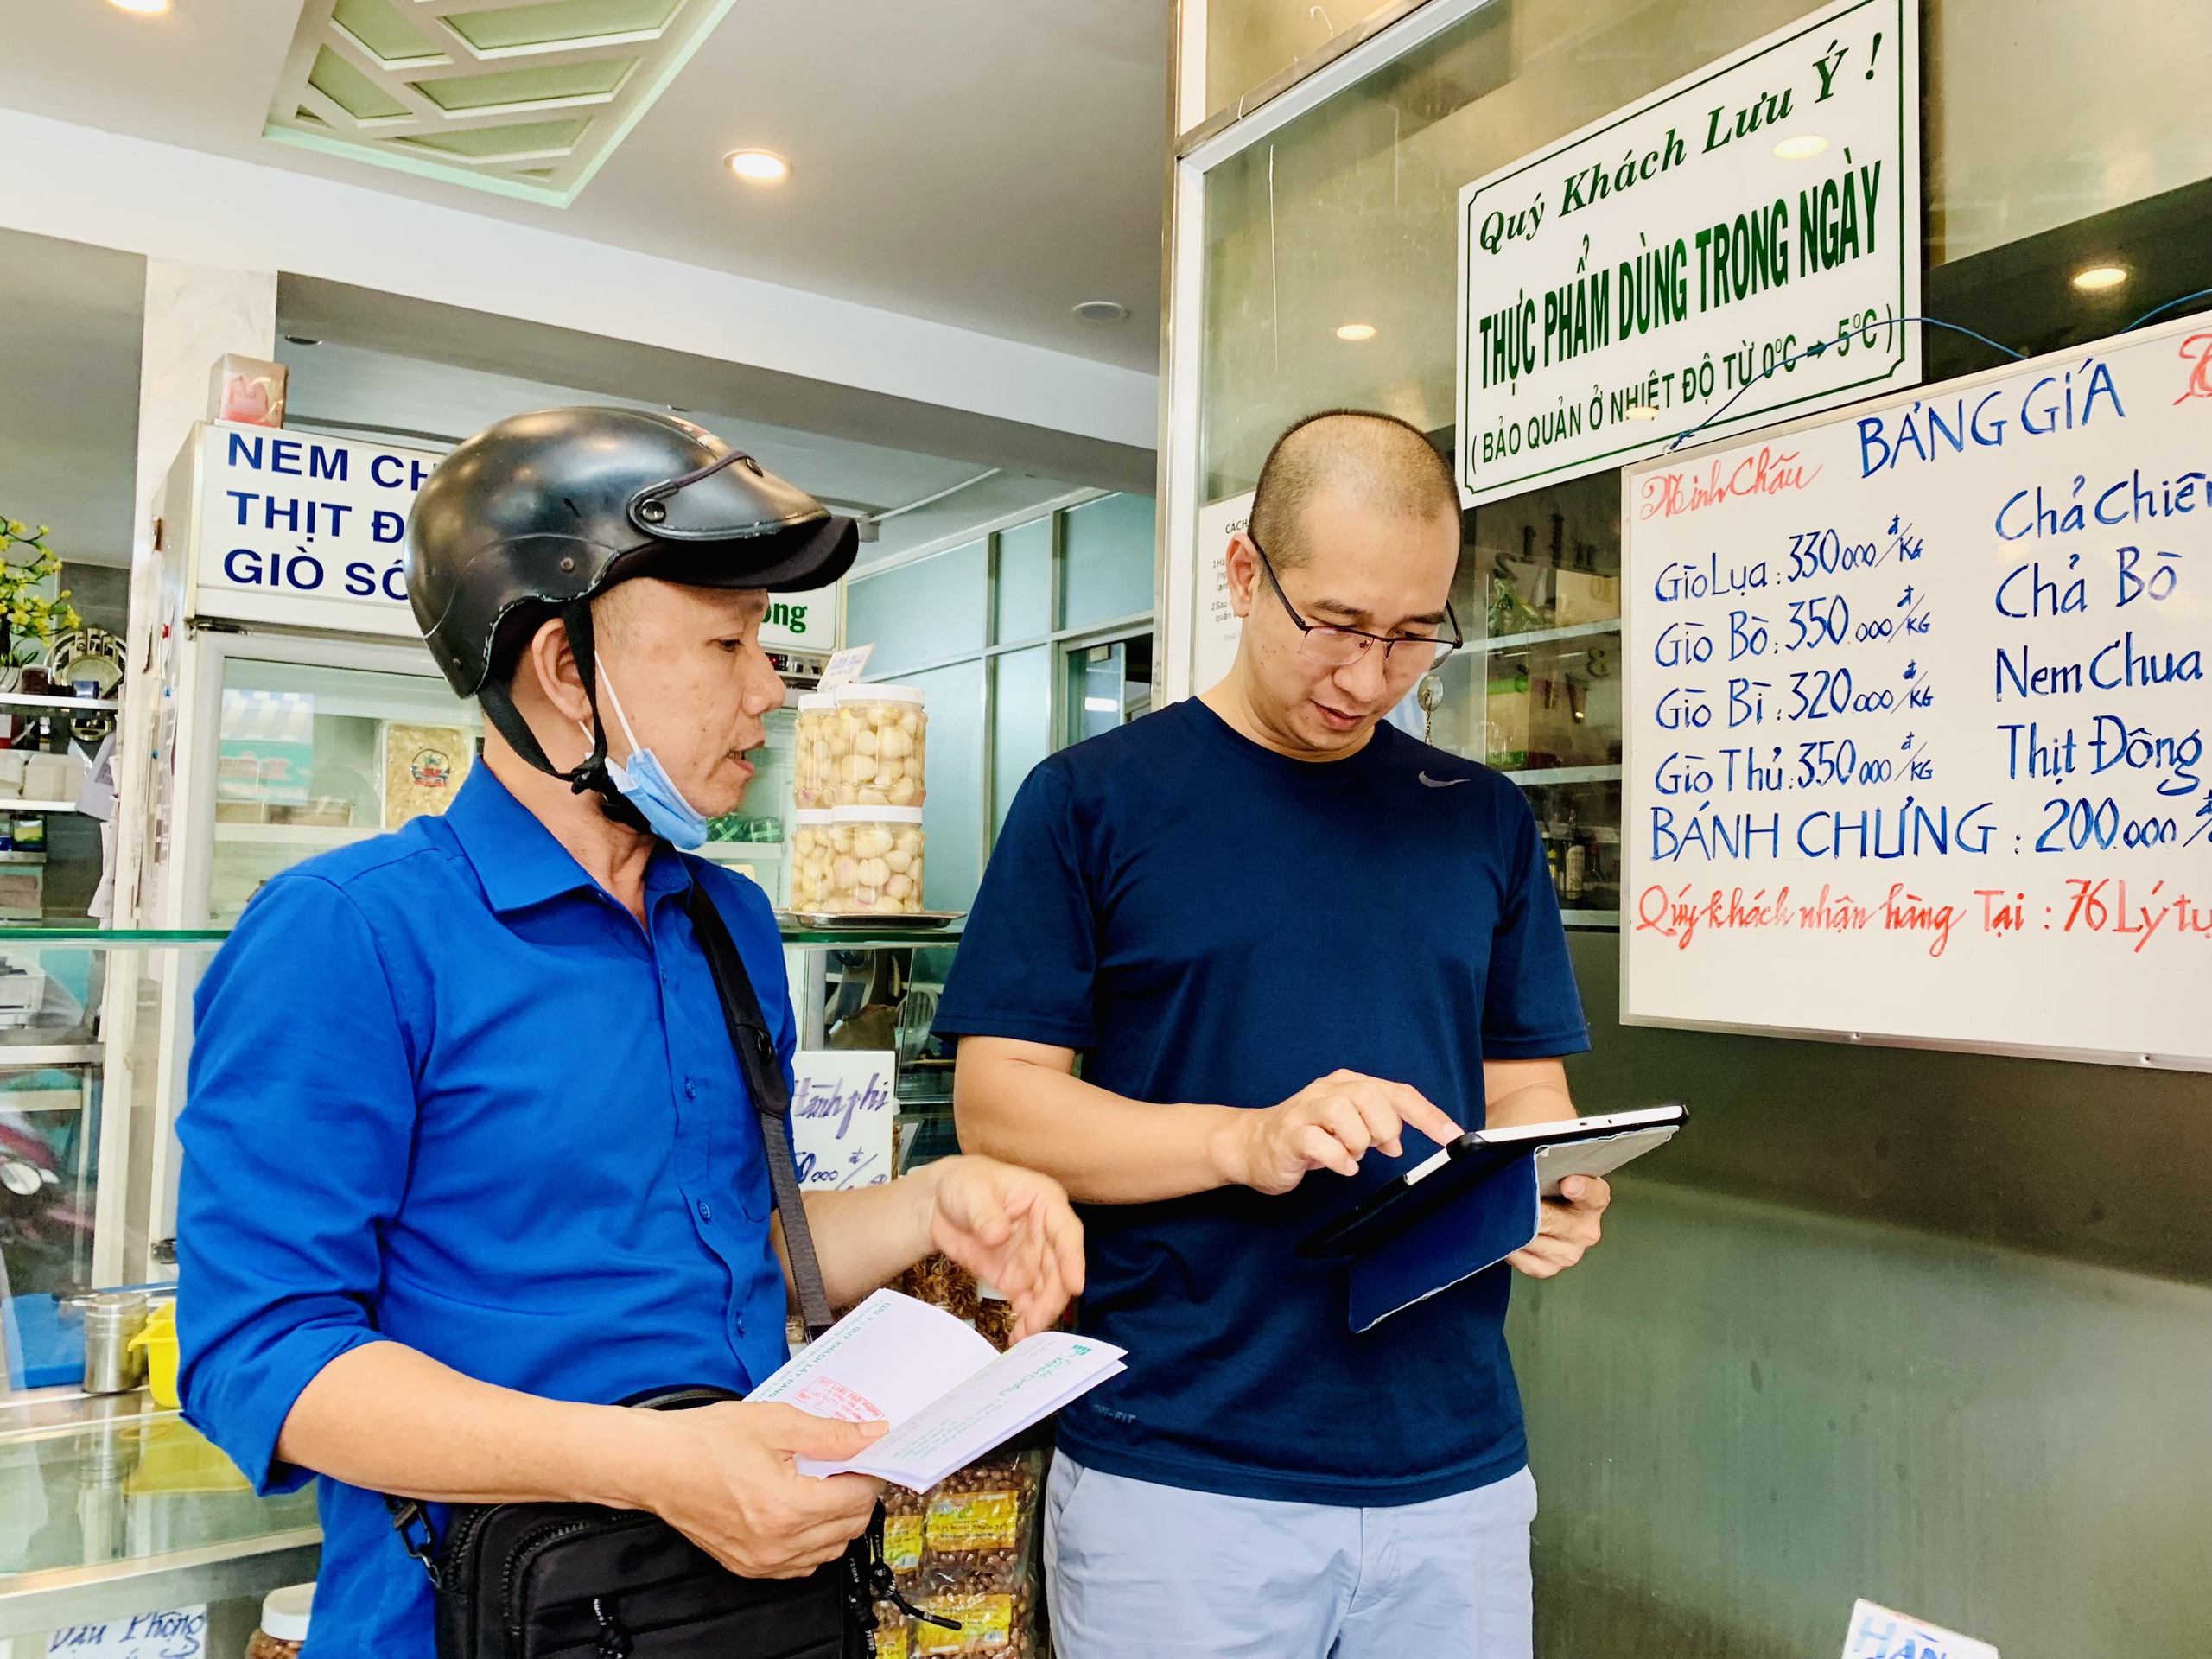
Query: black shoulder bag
(581, 1581)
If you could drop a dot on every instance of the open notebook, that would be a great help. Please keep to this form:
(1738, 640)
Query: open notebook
(948, 1395)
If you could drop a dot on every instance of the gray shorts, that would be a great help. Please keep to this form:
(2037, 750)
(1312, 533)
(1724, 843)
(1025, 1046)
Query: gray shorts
(1139, 1568)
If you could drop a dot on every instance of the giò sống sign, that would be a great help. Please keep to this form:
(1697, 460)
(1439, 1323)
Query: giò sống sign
(1672, 267)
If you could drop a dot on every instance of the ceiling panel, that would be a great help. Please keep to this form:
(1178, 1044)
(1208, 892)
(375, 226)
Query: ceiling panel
(972, 161)
(526, 99)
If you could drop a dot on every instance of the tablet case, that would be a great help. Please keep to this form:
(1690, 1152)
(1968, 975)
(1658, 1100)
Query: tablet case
(1479, 1229)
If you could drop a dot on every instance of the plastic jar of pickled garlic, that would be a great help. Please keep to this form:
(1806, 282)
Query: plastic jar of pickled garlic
(813, 768)
(875, 865)
(812, 860)
(879, 745)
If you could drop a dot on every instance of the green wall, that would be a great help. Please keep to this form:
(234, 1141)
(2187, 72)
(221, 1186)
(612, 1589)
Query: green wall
(1934, 1329)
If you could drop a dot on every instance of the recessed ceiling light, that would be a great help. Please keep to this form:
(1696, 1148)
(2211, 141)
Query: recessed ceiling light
(1356, 331)
(757, 166)
(1103, 311)
(1805, 144)
(1642, 412)
(143, 8)
(2096, 279)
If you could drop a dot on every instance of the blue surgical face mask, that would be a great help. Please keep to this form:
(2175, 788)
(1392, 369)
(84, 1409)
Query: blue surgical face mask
(644, 784)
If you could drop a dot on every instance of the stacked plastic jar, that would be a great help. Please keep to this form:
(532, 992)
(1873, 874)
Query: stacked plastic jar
(879, 745)
(814, 768)
(875, 865)
(812, 861)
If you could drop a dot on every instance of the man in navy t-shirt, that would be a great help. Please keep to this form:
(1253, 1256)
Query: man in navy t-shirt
(1296, 949)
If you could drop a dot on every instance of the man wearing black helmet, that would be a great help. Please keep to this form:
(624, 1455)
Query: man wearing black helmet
(467, 1158)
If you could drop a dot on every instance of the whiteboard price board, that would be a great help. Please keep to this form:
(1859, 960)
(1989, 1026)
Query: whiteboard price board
(1915, 704)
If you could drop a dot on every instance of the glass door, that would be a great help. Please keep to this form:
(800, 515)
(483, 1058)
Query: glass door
(312, 755)
(1109, 684)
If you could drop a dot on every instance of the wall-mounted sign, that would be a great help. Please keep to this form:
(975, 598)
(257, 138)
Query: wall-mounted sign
(842, 1104)
(179, 1633)
(1878, 1633)
(299, 530)
(295, 530)
(1217, 627)
(1667, 268)
(802, 621)
(1915, 708)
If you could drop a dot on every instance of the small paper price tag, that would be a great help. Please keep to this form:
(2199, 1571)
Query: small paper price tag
(845, 667)
(1876, 1632)
(179, 1633)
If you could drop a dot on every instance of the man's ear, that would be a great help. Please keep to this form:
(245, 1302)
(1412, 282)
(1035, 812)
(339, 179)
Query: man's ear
(548, 661)
(1244, 565)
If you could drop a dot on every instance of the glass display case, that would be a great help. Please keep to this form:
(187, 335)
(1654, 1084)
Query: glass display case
(312, 755)
(112, 1506)
(1546, 568)
(52, 857)
(1537, 692)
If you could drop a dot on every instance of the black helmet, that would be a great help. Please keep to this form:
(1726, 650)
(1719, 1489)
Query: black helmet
(539, 511)
(536, 514)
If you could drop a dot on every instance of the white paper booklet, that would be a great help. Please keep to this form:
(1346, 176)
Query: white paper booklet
(948, 1395)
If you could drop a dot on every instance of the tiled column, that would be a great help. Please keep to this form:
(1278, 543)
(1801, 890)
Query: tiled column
(194, 314)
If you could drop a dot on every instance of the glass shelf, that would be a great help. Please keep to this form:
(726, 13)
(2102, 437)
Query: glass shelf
(1566, 775)
(1546, 636)
(295, 835)
(124, 1508)
(78, 930)
(874, 938)
(34, 700)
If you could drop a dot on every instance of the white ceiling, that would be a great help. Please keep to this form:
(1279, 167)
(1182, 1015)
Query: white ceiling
(70, 323)
(987, 164)
(407, 402)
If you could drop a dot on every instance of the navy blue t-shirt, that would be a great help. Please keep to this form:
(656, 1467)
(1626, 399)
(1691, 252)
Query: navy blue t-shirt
(1207, 920)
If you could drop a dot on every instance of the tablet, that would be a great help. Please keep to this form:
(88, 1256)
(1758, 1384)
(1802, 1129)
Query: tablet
(1564, 1147)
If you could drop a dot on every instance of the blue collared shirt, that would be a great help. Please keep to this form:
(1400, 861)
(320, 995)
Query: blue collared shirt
(446, 1091)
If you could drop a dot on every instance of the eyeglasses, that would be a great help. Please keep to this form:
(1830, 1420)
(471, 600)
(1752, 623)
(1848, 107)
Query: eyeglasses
(1337, 647)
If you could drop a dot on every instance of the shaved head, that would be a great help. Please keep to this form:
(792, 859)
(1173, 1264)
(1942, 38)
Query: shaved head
(1377, 460)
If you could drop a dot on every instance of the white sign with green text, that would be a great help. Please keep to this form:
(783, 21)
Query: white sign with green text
(802, 621)
(1740, 247)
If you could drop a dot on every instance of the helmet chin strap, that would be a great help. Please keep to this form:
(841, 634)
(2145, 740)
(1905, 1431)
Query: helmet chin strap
(590, 776)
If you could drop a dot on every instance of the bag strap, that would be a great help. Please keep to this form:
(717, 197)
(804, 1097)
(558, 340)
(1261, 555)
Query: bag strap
(763, 1080)
(771, 1100)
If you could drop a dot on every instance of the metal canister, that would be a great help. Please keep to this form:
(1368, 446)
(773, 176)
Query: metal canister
(111, 1318)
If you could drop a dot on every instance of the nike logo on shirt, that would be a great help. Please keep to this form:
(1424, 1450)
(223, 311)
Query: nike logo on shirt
(1443, 782)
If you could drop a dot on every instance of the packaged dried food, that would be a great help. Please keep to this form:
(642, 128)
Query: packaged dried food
(942, 1282)
(906, 1519)
(966, 1550)
(879, 745)
(813, 766)
(993, 1320)
(980, 1526)
(876, 860)
(995, 1624)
